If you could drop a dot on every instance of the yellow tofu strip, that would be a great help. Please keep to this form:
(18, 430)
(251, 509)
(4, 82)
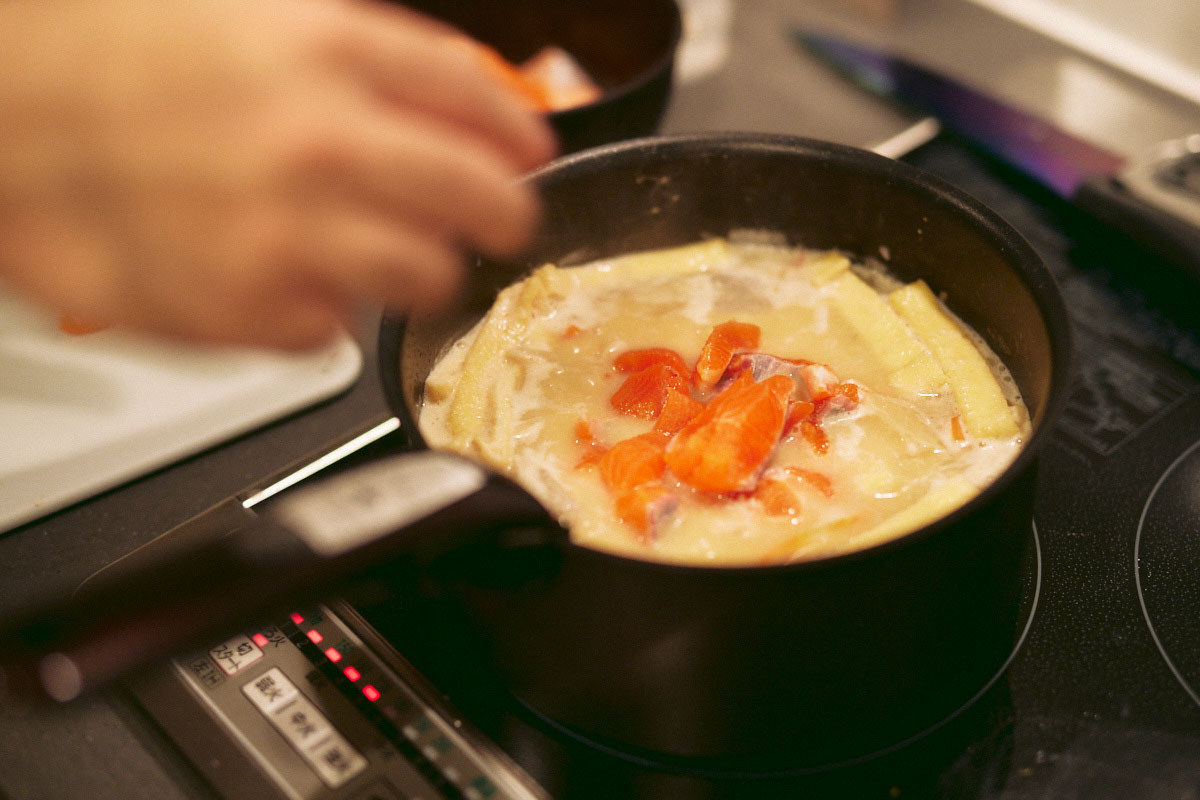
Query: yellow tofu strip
(935, 504)
(480, 416)
(908, 362)
(976, 390)
(682, 260)
(823, 268)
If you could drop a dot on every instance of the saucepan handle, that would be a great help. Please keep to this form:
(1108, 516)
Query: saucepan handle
(308, 544)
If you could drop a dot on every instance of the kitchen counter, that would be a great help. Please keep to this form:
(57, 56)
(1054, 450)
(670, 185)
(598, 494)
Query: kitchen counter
(101, 747)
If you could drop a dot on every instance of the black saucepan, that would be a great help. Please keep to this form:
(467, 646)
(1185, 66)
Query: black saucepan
(809, 662)
(821, 660)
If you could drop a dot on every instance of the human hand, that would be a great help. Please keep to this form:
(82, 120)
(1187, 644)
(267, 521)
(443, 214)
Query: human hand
(249, 172)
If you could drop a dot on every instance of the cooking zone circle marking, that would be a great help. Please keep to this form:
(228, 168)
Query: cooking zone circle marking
(1140, 570)
(1029, 597)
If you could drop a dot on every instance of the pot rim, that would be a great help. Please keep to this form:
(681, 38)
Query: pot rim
(1034, 274)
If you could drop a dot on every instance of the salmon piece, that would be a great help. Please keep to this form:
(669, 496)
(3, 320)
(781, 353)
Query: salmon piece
(633, 470)
(562, 80)
(726, 446)
(643, 507)
(778, 491)
(678, 410)
(638, 360)
(842, 398)
(633, 462)
(849, 391)
(778, 497)
(725, 340)
(762, 366)
(571, 331)
(644, 393)
(819, 381)
(798, 411)
(509, 75)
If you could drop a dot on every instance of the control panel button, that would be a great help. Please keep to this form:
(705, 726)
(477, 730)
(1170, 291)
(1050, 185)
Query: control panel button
(302, 724)
(236, 654)
(270, 691)
(305, 727)
(336, 761)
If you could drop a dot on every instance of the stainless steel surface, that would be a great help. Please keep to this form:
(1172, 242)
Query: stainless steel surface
(1167, 176)
(1164, 178)
(1155, 40)
(765, 85)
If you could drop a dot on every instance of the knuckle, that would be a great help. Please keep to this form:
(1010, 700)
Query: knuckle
(314, 147)
(427, 278)
(513, 223)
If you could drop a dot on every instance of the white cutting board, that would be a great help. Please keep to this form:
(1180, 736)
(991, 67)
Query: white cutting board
(81, 414)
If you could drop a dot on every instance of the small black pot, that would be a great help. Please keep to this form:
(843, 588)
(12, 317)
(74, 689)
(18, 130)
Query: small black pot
(805, 663)
(626, 46)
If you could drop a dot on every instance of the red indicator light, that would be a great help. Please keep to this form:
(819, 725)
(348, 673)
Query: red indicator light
(315, 636)
(333, 655)
(260, 640)
(297, 617)
(352, 673)
(371, 693)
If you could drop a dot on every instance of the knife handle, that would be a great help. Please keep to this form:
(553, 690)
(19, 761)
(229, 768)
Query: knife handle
(1174, 240)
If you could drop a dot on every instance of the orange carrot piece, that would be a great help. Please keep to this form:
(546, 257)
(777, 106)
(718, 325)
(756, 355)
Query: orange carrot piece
(956, 429)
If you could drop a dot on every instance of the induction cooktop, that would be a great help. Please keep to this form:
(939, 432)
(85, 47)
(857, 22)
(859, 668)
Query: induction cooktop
(1100, 698)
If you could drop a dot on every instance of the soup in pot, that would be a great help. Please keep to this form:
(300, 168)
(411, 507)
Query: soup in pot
(729, 402)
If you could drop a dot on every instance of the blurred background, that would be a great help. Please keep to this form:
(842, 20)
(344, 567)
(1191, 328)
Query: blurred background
(1125, 74)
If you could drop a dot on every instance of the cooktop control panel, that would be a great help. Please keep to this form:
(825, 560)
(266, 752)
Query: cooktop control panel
(310, 713)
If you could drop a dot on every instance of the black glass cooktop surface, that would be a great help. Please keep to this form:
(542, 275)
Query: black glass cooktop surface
(1101, 696)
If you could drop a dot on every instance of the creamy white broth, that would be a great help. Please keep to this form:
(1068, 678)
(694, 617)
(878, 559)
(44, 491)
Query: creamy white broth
(893, 455)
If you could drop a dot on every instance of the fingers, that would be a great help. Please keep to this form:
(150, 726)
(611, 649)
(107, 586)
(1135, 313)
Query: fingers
(424, 67)
(307, 319)
(403, 266)
(355, 150)
(351, 256)
(419, 172)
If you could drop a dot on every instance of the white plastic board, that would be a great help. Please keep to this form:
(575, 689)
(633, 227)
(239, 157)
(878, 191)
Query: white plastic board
(81, 414)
